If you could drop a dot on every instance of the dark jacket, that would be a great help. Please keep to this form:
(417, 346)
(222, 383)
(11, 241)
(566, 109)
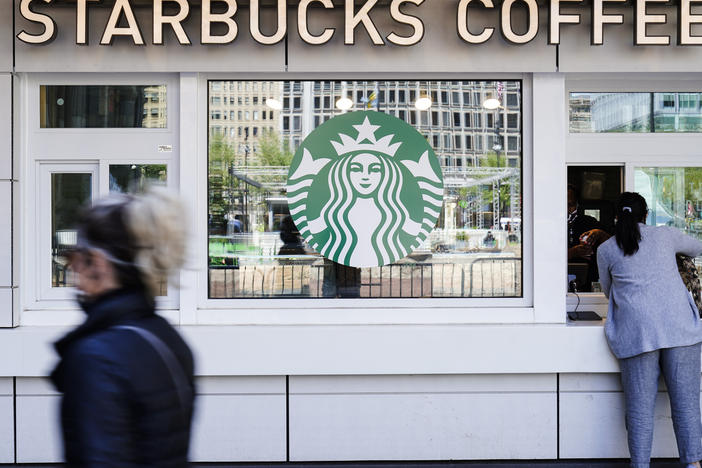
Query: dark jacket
(120, 405)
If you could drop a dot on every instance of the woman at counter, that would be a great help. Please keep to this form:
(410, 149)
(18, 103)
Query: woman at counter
(653, 326)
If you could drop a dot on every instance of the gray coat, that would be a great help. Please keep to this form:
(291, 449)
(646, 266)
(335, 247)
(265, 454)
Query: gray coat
(649, 306)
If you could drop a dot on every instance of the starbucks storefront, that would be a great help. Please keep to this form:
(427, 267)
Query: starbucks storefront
(376, 200)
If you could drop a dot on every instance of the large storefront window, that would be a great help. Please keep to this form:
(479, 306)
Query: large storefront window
(635, 112)
(254, 248)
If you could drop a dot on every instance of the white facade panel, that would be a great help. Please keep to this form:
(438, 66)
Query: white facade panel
(38, 429)
(6, 306)
(414, 423)
(239, 428)
(243, 55)
(439, 20)
(7, 430)
(618, 54)
(6, 39)
(5, 233)
(7, 418)
(5, 126)
(592, 426)
(239, 418)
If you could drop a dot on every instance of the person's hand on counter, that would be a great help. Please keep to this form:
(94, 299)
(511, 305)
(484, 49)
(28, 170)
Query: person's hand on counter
(594, 237)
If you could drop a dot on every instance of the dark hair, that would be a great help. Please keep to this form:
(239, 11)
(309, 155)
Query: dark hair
(631, 210)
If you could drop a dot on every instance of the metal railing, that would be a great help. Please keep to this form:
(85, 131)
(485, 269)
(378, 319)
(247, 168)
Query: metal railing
(315, 277)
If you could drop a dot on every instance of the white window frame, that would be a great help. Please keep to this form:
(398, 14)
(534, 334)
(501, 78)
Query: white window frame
(42, 261)
(355, 310)
(36, 144)
(629, 150)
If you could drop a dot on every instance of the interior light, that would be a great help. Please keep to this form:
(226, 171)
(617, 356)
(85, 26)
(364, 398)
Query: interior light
(344, 103)
(423, 103)
(274, 103)
(491, 104)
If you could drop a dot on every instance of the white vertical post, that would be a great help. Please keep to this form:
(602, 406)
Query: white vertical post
(549, 187)
(190, 192)
(7, 186)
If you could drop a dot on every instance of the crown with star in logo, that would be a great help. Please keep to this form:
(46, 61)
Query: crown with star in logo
(366, 133)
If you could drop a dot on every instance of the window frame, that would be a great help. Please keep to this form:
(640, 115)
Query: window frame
(75, 147)
(365, 310)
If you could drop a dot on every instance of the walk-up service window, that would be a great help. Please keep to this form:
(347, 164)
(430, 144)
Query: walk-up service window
(473, 247)
(670, 184)
(592, 194)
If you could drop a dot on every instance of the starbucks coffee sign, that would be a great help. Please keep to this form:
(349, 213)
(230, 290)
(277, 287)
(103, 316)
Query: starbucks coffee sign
(222, 15)
(365, 189)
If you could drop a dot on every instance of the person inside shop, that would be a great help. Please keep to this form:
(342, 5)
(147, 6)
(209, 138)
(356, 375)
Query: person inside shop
(585, 234)
(125, 373)
(653, 327)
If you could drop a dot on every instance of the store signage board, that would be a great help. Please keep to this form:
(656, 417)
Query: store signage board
(365, 189)
(358, 16)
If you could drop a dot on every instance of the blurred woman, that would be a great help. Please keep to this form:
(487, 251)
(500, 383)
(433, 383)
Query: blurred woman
(652, 327)
(125, 373)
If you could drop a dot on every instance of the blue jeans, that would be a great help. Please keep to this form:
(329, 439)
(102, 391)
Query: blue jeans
(681, 371)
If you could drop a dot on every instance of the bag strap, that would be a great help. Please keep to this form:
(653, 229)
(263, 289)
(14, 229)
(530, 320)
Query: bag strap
(174, 368)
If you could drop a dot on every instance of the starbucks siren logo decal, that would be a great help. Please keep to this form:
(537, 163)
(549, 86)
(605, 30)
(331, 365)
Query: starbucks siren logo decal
(365, 189)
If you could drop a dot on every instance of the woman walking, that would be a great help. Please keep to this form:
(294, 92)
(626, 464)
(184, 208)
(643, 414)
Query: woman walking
(653, 326)
(125, 373)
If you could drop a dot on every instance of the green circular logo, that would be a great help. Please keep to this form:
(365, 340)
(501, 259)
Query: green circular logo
(365, 189)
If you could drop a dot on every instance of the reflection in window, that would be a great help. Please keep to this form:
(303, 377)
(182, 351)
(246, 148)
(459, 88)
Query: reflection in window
(69, 193)
(673, 195)
(103, 106)
(137, 178)
(475, 250)
(635, 112)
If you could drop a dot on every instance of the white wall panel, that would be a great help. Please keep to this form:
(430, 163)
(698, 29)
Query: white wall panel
(6, 39)
(38, 429)
(7, 428)
(239, 419)
(5, 125)
(5, 233)
(38, 425)
(373, 420)
(618, 54)
(592, 419)
(6, 306)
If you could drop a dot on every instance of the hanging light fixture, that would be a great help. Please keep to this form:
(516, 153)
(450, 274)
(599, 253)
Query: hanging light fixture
(274, 103)
(491, 103)
(344, 103)
(423, 103)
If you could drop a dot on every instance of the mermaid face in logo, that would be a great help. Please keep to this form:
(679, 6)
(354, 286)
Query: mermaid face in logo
(367, 217)
(365, 171)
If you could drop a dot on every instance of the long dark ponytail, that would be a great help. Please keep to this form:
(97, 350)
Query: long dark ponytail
(631, 210)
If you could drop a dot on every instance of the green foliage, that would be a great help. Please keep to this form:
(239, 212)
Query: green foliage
(271, 152)
(221, 158)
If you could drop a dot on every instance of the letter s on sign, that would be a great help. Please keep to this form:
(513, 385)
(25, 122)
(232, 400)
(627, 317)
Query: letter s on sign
(49, 33)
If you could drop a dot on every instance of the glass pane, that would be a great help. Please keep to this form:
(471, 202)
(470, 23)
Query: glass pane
(69, 192)
(610, 112)
(673, 195)
(677, 112)
(103, 106)
(136, 178)
(254, 247)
